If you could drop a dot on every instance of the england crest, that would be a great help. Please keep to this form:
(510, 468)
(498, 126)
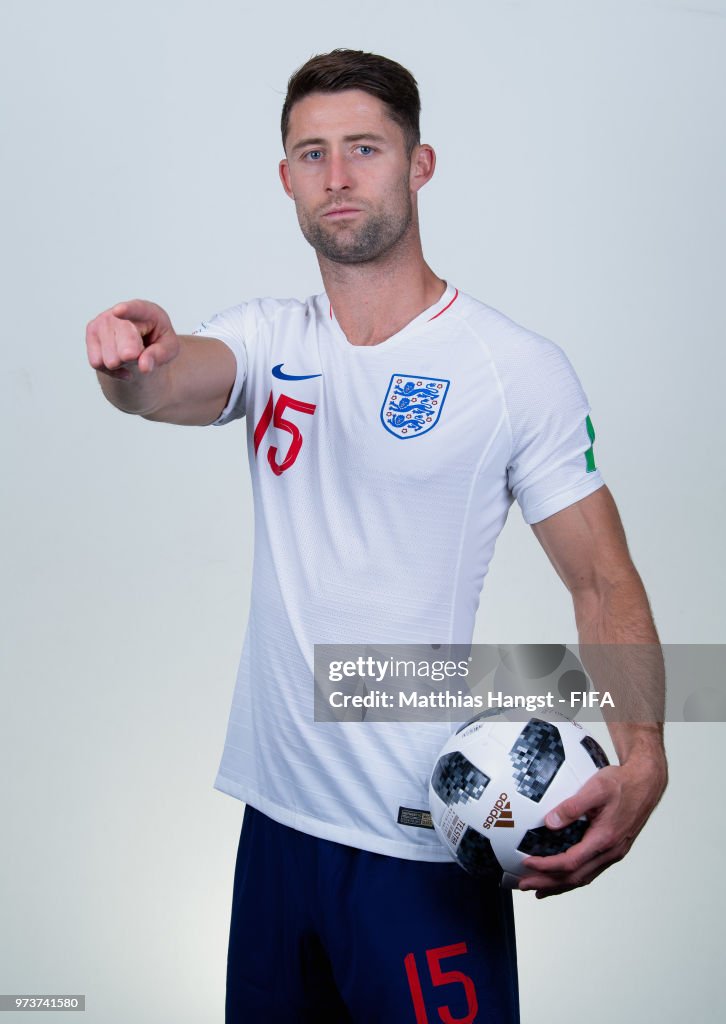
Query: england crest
(412, 405)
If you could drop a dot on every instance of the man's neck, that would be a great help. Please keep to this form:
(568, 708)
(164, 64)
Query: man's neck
(373, 301)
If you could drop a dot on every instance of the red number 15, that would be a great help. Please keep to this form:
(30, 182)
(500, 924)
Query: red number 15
(439, 977)
(275, 415)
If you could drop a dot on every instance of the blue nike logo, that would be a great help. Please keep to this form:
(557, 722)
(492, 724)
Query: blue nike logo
(277, 371)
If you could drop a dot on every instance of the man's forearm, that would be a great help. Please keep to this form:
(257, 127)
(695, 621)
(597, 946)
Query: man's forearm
(192, 389)
(146, 368)
(620, 649)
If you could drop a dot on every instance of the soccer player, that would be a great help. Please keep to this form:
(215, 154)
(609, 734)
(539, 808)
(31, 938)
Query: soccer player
(391, 422)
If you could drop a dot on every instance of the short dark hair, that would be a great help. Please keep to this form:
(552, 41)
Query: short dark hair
(354, 69)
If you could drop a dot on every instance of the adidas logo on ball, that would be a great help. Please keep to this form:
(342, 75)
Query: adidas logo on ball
(500, 815)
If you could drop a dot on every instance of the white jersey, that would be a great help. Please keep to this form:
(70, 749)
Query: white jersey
(382, 476)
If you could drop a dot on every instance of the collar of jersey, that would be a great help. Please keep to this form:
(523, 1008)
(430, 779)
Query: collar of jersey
(439, 308)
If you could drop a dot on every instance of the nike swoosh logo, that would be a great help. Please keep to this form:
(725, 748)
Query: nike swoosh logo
(277, 371)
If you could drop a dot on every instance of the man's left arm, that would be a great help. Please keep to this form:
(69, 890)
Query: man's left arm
(586, 545)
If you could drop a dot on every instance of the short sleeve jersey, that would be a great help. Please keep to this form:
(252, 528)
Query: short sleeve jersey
(382, 476)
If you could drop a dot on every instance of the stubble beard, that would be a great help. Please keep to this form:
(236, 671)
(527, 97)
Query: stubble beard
(375, 237)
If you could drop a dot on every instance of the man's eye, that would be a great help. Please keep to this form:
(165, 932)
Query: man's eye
(314, 154)
(365, 150)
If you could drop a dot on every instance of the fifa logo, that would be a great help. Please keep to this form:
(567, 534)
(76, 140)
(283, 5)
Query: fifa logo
(500, 815)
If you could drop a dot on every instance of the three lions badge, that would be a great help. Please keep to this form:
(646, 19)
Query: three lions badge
(413, 405)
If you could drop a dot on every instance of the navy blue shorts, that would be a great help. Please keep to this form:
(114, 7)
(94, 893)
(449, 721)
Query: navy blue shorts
(327, 933)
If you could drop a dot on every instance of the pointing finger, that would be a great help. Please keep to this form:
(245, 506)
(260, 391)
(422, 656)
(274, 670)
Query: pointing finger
(145, 315)
(129, 343)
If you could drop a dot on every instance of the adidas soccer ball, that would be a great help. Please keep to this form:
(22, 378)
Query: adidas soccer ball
(495, 780)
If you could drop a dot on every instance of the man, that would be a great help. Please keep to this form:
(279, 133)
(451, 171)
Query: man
(391, 421)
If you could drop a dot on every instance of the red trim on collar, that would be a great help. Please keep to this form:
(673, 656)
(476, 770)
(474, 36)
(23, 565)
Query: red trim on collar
(456, 296)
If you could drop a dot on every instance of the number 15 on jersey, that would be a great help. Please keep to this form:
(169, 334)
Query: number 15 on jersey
(274, 413)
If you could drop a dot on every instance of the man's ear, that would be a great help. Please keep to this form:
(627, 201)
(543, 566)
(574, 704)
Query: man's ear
(284, 170)
(423, 165)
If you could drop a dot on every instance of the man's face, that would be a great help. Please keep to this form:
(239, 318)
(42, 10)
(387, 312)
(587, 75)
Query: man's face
(350, 175)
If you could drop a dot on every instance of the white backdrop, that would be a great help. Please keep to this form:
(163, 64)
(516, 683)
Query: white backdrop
(580, 190)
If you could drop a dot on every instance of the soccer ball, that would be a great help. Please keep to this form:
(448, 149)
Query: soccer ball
(495, 780)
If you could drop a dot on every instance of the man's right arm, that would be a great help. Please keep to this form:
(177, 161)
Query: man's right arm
(144, 367)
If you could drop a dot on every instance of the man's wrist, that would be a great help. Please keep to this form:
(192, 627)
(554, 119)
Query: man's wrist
(641, 742)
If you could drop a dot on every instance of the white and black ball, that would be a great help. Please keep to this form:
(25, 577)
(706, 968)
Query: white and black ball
(496, 779)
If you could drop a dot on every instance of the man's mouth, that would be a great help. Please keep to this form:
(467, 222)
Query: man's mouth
(341, 211)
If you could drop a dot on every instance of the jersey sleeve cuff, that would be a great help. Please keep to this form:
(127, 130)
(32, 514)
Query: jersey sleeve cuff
(232, 409)
(232, 327)
(563, 499)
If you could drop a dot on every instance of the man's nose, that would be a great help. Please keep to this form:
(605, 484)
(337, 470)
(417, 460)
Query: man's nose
(338, 174)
